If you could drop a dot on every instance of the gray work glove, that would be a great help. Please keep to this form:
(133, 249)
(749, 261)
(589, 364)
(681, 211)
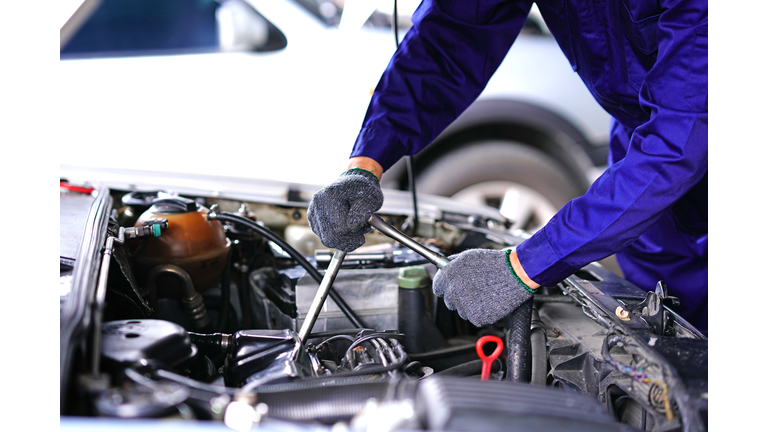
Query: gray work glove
(481, 286)
(339, 212)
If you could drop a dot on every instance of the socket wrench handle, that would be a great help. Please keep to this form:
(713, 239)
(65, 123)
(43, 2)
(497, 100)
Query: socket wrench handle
(321, 295)
(388, 230)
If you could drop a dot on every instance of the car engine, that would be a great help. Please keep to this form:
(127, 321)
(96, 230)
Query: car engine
(186, 304)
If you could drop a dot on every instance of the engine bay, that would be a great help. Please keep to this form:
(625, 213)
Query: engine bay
(188, 306)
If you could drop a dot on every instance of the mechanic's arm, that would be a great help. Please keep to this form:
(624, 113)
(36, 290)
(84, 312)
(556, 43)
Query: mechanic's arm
(442, 65)
(666, 157)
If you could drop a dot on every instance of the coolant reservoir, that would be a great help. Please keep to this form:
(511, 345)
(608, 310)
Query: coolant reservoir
(192, 242)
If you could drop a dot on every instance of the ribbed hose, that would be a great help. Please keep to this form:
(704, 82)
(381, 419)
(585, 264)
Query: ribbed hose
(538, 349)
(519, 343)
(324, 401)
(210, 344)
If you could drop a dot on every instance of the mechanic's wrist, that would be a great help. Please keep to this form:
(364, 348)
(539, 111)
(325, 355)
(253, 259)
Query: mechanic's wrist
(519, 271)
(367, 164)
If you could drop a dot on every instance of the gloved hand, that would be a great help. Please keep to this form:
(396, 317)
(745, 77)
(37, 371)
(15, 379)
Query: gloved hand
(339, 212)
(481, 286)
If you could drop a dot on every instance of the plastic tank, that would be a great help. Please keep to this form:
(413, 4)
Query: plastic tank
(192, 242)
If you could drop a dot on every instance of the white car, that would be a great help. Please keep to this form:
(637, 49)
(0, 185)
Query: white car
(275, 89)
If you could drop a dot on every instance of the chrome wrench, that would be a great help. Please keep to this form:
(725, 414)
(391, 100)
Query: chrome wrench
(388, 230)
(321, 295)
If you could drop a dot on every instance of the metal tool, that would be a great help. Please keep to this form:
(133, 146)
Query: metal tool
(321, 295)
(388, 230)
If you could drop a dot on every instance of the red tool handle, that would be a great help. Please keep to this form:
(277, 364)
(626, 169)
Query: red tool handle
(85, 190)
(488, 360)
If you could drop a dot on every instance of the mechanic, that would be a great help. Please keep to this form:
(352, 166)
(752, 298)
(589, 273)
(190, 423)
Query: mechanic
(646, 63)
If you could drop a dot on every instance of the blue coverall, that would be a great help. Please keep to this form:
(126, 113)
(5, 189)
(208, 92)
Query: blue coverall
(645, 62)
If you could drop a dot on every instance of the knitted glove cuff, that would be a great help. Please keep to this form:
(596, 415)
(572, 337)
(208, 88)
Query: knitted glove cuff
(512, 270)
(354, 171)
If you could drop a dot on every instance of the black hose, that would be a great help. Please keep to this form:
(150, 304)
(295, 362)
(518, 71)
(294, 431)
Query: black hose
(213, 301)
(538, 349)
(246, 300)
(519, 343)
(408, 162)
(225, 294)
(210, 344)
(313, 272)
(470, 368)
(327, 401)
(324, 399)
(190, 298)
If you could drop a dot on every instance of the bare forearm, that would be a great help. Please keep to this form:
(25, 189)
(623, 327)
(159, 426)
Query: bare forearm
(367, 164)
(520, 271)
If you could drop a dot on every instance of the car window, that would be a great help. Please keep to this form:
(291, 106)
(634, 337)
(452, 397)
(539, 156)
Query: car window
(148, 27)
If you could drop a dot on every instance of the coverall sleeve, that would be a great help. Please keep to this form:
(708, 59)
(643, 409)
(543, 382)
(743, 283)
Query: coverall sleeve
(666, 157)
(442, 65)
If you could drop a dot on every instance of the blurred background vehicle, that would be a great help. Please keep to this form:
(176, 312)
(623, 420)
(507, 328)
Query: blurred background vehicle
(282, 87)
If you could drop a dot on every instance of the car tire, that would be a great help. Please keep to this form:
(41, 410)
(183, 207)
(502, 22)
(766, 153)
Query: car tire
(480, 173)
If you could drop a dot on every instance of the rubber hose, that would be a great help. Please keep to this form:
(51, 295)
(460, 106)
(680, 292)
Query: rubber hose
(191, 299)
(225, 294)
(538, 350)
(474, 367)
(211, 344)
(313, 272)
(246, 301)
(324, 403)
(518, 337)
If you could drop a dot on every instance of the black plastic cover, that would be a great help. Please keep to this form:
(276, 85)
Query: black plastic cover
(171, 205)
(266, 356)
(131, 341)
(141, 198)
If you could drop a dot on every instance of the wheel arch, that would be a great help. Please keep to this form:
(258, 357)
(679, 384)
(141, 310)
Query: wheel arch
(517, 121)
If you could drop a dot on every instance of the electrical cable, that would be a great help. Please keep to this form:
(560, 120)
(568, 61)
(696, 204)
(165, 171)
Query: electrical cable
(368, 337)
(395, 26)
(408, 160)
(333, 338)
(337, 332)
(313, 272)
(412, 186)
(637, 373)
